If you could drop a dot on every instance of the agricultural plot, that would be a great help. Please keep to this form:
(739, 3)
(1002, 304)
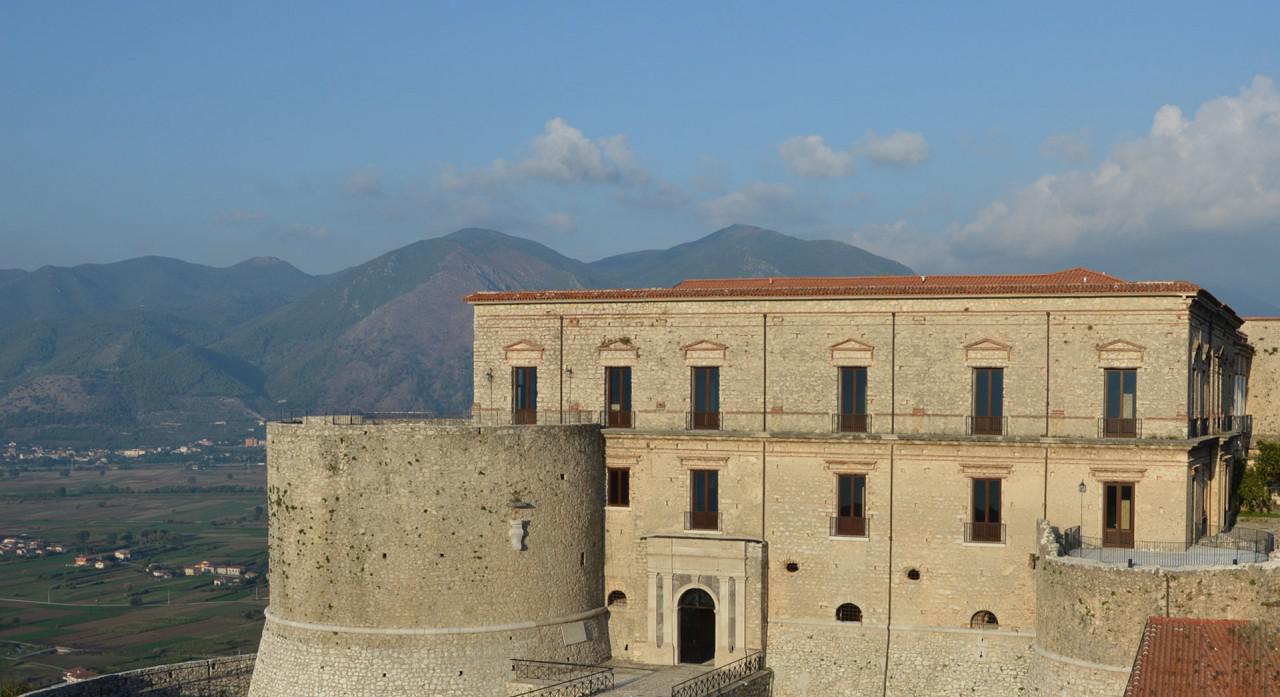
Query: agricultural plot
(55, 615)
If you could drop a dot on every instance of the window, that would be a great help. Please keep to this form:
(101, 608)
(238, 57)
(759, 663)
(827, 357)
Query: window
(617, 599)
(988, 401)
(524, 395)
(1120, 416)
(984, 619)
(619, 486)
(706, 398)
(848, 612)
(617, 385)
(704, 500)
(851, 497)
(853, 401)
(985, 525)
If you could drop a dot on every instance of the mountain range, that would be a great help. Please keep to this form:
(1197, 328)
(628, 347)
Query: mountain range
(153, 350)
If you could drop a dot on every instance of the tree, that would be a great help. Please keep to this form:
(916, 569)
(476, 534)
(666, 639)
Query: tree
(83, 536)
(111, 539)
(135, 600)
(60, 491)
(257, 512)
(127, 537)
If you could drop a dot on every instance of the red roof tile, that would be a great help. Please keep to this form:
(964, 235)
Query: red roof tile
(1187, 657)
(1077, 281)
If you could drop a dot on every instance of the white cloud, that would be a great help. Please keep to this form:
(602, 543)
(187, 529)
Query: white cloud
(1069, 147)
(898, 148)
(564, 155)
(810, 156)
(1215, 174)
(758, 203)
(363, 183)
(560, 222)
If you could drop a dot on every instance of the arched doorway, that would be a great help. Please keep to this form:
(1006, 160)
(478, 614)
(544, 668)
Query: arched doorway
(697, 622)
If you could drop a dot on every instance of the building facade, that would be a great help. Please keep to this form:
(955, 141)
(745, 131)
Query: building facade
(848, 472)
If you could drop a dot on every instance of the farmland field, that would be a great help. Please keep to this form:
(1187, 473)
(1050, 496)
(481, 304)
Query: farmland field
(54, 615)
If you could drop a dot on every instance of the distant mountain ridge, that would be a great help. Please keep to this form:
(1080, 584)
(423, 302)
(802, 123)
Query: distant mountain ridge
(153, 348)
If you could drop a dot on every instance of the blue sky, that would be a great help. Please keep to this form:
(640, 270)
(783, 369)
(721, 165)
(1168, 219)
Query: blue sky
(976, 137)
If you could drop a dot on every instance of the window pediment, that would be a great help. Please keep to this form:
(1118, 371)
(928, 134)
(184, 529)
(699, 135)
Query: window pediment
(852, 353)
(1120, 354)
(618, 352)
(523, 353)
(987, 353)
(704, 352)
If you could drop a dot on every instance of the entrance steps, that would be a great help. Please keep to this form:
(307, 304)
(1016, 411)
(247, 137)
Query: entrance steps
(640, 680)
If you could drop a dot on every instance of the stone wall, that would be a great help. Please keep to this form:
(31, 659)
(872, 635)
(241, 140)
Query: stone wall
(1090, 615)
(216, 677)
(780, 357)
(393, 562)
(1264, 376)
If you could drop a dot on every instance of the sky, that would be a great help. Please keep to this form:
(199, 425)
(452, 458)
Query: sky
(1142, 139)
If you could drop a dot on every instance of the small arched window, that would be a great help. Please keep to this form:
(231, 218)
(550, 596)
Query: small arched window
(984, 619)
(849, 613)
(617, 599)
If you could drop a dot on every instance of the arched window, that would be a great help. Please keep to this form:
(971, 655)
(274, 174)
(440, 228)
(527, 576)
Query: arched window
(984, 619)
(849, 613)
(617, 599)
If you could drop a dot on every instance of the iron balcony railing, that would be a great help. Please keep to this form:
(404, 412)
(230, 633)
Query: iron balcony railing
(1115, 427)
(984, 532)
(540, 417)
(850, 526)
(618, 418)
(1237, 546)
(851, 423)
(702, 420)
(711, 681)
(702, 520)
(566, 679)
(987, 425)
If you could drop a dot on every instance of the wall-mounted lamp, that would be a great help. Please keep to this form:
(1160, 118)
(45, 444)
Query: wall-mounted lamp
(488, 374)
(1082, 487)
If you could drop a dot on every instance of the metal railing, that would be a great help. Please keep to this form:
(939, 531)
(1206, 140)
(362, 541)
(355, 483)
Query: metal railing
(986, 425)
(541, 417)
(1237, 546)
(349, 417)
(1115, 427)
(851, 423)
(567, 679)
(713, 680)
(612, 418)
(992, 533)
(850, 526)
(702, 520)
(702, 420)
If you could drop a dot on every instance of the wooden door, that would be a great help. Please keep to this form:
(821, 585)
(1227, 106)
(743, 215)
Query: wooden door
(1117, 514)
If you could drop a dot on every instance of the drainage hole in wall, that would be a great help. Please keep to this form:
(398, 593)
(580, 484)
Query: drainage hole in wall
(913, 574)
(793, 567)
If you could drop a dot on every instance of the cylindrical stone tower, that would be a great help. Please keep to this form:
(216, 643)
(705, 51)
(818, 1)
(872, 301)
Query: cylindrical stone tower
(420, 557)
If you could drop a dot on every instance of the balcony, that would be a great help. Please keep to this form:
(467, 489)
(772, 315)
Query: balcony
(616, 418)
(1238, 546)
(702, 520)
(850, 423)
(984, 533)
(987, 425)
(850, 526)
(1111, 427)
(529, 417)
(702, 420)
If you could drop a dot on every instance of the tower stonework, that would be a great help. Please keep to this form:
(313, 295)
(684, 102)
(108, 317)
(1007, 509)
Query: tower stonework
(420, 557)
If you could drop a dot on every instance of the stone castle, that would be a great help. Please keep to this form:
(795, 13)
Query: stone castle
(977, 485)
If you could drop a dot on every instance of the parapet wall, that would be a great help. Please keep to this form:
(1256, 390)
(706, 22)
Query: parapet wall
(1090, 615)
(215, 677)
(421, 557)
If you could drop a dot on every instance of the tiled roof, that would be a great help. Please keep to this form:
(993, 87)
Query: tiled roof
(1077, 281)
(1187, 657)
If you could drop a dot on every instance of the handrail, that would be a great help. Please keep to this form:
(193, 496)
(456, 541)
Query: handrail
(713, 680)
(586, 680)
